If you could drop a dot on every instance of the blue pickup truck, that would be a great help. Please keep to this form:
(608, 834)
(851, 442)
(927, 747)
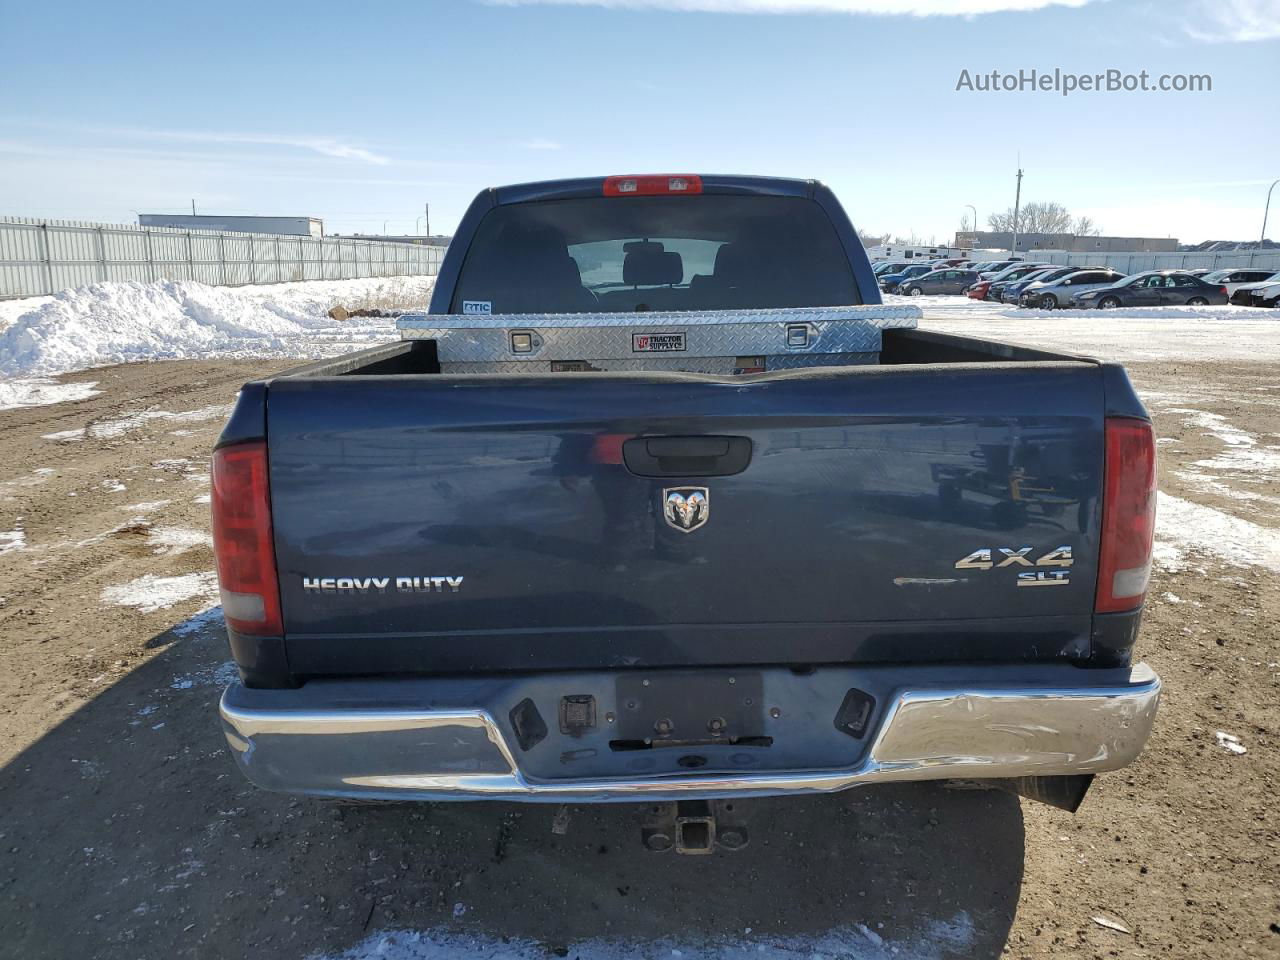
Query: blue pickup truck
(451, 586)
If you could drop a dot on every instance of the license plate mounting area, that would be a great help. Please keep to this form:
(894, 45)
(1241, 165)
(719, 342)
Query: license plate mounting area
(661, 708)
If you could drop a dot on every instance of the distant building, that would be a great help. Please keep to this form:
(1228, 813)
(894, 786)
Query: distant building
(435, 240)
(1070, 242)
(277, 226)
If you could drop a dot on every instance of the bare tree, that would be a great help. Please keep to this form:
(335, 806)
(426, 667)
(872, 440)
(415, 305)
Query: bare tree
(1085, 227)
(1047, 217)
(966, 223)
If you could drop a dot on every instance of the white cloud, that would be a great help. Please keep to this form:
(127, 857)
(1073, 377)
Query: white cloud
(327, 146)
(1233, 21)
(542, 143)
(918, 8)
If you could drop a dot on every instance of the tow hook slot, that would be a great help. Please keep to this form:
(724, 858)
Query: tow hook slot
(694, 827)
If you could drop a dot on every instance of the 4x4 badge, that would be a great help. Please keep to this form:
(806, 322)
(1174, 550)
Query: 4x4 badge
(686, 508)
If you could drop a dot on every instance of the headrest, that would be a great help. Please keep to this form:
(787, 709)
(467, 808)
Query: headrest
(737, 263)
(647, 268)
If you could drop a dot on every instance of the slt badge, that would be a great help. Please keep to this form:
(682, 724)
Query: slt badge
(686, 508)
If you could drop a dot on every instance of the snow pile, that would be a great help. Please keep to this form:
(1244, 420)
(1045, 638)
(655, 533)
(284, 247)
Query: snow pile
(37, 391)
(168, 320)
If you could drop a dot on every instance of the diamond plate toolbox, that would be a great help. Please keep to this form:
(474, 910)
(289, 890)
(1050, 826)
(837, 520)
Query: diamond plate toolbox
(711, 341)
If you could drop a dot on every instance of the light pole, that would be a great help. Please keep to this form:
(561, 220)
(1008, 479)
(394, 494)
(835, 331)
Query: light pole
(1266, 210)
(1017, 205)
(975, 222)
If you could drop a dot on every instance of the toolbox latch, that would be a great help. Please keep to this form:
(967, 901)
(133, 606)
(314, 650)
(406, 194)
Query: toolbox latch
(798, 336)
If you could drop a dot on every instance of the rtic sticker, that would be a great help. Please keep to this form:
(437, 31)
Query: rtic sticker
(477, 306)
(657, 342)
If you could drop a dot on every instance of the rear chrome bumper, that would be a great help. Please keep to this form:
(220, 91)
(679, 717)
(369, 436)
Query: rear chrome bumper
(453, 740)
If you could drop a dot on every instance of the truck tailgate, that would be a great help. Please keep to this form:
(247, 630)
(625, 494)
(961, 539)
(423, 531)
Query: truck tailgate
(449, 524)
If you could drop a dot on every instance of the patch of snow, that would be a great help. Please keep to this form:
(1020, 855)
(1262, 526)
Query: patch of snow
(1230, 742)
(203, 498)
(934, 940)
(34, 479)
(15, 539)
(1204, 481)
(1126, 335)
(146, 506)
(201, 621)
(39, 391)
(113, 486)
(1243, 451)
(218, 676)
(1184, 527)
(150, 593)
(170, 541)
(167, 320)
(107, 429)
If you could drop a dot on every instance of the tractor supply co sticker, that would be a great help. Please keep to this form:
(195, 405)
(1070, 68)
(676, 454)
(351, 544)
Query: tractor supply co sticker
(657, 342)
(477, 306)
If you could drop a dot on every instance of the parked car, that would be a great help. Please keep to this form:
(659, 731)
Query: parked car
(1242, 296)
(939, 281)
(415, 622)
(1265, 295)
(1153, 288)
(999, 288)
(1014, 271)
(890, 282)
(1011, 292)
(1233, 280)
(978, 289)
(1000, 266)
(889, 266)
(1051, 294)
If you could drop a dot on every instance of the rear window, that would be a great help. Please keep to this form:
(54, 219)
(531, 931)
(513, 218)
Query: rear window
(609, 254)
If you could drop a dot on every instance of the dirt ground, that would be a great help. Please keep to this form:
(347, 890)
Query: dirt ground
(125, 830)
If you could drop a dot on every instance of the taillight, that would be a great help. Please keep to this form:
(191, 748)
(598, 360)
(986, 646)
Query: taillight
(1128, 515)
(242, 544)
(1223, 291)
(653, 184)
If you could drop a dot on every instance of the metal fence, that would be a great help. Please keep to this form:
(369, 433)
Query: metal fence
(1136, 262)
(44, 256)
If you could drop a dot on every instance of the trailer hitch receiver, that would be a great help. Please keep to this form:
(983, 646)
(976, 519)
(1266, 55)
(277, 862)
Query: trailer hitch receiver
(694, 827)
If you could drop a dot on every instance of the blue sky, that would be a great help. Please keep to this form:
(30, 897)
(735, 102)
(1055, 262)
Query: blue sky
(360, 113)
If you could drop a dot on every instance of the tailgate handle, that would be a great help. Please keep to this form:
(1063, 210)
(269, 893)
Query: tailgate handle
(687, 456)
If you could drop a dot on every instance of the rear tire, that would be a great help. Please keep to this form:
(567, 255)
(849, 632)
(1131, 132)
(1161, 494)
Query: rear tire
(1108, 303)
(1048, 302)
(1197, 302)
